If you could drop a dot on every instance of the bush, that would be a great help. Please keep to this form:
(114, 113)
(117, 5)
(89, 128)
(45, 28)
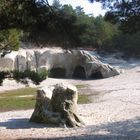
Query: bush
(34, 76)
(17, 75)
(37, 77)
(3, 75)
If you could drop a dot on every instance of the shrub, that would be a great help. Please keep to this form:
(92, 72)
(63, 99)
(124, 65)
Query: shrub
(3, 75)
(18, 75)
(37, 77)
(34, 76)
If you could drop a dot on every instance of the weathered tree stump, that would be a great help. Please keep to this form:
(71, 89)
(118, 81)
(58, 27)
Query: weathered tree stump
(57, 106)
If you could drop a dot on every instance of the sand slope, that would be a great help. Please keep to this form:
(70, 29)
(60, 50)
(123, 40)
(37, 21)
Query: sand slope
(113, 115)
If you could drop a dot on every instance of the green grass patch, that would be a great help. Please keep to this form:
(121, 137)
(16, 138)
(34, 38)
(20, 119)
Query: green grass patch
(83, 99)
(10, 104)
(9, 100)
(79, 86)
(18, 92)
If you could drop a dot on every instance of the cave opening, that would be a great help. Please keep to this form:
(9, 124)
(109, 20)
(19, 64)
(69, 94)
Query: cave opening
(96, 75)
(58, 72)
(79, 72)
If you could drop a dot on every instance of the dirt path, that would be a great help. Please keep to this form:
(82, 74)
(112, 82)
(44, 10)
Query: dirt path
(113, 115)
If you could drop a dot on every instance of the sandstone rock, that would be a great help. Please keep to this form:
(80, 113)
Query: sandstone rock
(62, 64)
(8, 61)
(21, 61)
(30, 60)
(57, 105)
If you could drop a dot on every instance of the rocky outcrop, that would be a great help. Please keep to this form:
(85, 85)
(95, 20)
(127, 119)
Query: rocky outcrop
(7, 63)
(57, 105)
(60, 63)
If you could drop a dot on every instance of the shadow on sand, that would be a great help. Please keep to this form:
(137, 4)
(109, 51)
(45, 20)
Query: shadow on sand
(121, 130)
(22, 123)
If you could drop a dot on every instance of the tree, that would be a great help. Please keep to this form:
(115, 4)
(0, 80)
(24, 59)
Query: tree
(9, 39)
(28, 16)
(79, 10)
(124, 12)
(56, 4)
(21, 14)
(103, 30)
(58, 25)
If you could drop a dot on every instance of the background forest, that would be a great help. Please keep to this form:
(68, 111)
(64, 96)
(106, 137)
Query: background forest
(61, 25)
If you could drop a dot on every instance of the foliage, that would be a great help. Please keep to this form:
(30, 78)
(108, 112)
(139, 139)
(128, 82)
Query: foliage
(9, 39)
(34, 76)
(57, 24)
(61, 25)
(37, 77)
(3, 75)
(124, 12)
(129, 44)
(22, 76)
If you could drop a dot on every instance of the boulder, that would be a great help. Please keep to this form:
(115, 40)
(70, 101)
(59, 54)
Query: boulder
(62, 64)
(25, 60)
(7, 63)
(21, 62)
(57, 105)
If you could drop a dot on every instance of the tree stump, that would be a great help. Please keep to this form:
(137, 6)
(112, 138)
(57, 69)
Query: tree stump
(57, 105)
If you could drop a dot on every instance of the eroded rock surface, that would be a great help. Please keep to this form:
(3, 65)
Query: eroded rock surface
(61, 64)
(57, 105)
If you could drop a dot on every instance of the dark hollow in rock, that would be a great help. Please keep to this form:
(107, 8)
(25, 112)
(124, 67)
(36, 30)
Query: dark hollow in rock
(58, 73)
(96, 75)
(57, 106)
(79, 72)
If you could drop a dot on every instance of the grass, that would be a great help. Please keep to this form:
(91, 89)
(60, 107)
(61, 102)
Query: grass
(9, 100)
(19, 92)
(83, 99)
(79, 86)
(16, 104)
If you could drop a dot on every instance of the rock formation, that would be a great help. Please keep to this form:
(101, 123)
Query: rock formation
(61, 64)
(57, 105)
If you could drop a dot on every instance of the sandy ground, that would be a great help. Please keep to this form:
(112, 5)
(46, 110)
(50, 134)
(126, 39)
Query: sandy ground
(114, 113)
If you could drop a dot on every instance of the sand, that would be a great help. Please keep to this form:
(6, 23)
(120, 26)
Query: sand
(114, 113)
